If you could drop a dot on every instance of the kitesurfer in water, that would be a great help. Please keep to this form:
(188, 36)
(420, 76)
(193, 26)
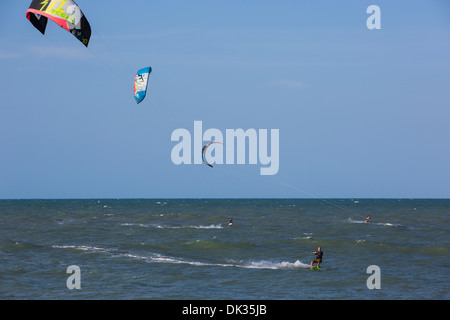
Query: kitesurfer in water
(367, 219)
(318, 259)
(230, 222)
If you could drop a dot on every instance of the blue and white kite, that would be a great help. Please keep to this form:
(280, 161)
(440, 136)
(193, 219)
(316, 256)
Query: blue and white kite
(140, 83)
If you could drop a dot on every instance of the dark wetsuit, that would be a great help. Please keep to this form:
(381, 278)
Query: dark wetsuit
(318, 256)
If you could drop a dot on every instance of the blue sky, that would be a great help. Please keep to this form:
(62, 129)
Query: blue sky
(362, 113)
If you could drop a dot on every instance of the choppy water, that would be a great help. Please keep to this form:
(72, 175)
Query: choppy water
(184, 249)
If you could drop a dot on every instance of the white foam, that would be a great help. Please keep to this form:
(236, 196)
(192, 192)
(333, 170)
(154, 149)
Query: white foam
(159, 258)
(135, 225)
(212, 226)
(308, 235)
(387, 224)
(265, 264)
(84, 248)
(350, 220)
(160, 226)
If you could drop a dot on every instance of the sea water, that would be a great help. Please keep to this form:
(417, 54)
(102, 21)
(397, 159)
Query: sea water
(184, 249)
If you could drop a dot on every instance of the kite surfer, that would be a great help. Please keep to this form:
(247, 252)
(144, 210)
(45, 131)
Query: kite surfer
(367, 219)
(230, 222)
(318, 259)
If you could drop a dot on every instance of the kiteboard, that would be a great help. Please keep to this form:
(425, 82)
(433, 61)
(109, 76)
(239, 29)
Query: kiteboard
(315, 268)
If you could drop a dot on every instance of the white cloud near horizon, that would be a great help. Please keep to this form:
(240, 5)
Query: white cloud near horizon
(46, 51)
(5, 55)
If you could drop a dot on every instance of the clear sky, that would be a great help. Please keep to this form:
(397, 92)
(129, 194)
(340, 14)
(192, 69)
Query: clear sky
(361, 113)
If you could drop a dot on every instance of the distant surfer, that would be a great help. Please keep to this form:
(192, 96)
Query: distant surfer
(318, 259)
(230, 222)
(367, 219)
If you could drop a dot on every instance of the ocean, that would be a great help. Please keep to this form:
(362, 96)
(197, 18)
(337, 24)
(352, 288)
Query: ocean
(183, 249)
